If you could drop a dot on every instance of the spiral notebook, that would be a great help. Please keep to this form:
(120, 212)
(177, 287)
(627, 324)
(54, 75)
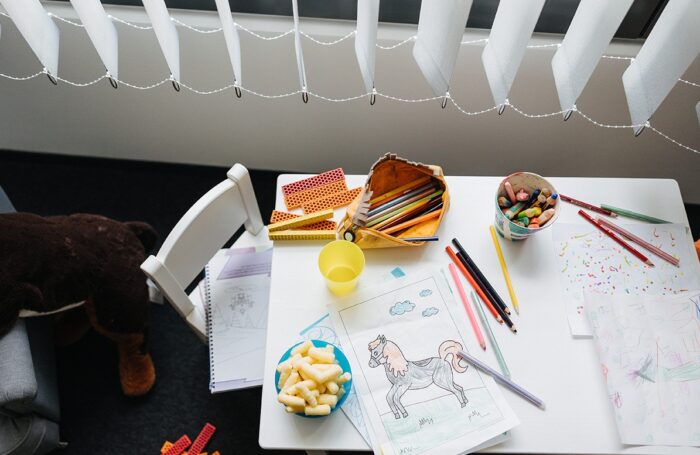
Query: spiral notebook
(236, 295)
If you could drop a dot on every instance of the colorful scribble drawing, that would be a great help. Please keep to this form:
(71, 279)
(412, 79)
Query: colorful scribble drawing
(590, 262)
(650, 346)
(406, 375)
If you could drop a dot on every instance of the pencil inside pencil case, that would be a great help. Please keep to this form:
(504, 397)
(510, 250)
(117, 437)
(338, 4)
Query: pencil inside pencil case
(400, 199)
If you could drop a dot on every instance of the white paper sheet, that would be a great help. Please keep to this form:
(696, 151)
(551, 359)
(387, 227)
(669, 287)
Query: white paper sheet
(440, 29)
(587, 38)
(590, 261)
(407, 329)
(233, 42)
(366, 39)
(37, 28)
(166, 33)
(671, 47)
(511, 31)
(101, 31)
(297, 47)
(237, 294)
(649, 349)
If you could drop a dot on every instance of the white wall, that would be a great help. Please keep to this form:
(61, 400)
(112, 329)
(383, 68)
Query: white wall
(162, 125)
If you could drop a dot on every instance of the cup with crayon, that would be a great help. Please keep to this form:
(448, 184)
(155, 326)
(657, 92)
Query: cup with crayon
(526, 203)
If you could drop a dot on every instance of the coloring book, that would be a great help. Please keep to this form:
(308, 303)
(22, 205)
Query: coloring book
(649, 350)
(401, 338)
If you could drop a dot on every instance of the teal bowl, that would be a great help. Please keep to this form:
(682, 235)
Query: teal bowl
(342, 362)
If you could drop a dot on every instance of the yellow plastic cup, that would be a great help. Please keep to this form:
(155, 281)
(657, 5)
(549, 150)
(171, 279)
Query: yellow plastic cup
(341, 263)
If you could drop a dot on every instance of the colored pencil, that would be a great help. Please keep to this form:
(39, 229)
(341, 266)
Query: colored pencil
(492, 339)
(393, 214)
(411, 205)
(489, 297)
(471, 265)
(473, 283)
(400, 202)
(412, 222)
(399, 199)
(586, 205)
(399, 191)
(502, 379)
(497, 245)
(612, 235)
(467, 307)
(420, 239)
(639, 241)
(420, 209)
(634, 215)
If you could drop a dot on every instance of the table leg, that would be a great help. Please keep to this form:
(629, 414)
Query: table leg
(316, 452)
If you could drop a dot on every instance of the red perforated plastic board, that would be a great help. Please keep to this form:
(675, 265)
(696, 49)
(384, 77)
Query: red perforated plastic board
(333, 201)
(203, 438)
(318, 180)
(325, 225)
(300, 198)
(179, 446)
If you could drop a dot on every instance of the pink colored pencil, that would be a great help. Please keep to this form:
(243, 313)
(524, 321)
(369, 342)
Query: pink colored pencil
(641, 242)
(465, 302)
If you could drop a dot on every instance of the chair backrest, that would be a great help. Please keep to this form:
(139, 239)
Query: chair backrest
(199, 234)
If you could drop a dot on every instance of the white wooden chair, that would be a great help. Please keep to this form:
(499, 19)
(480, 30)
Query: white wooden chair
(199, 234)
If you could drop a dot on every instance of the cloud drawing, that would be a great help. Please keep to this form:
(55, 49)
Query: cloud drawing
(425, 293)
(400, 308)
(432, 311)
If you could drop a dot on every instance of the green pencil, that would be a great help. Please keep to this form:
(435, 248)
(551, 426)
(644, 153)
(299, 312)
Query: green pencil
(635, 215)
(492, 339)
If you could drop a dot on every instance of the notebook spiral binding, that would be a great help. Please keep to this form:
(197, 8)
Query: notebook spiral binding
(207, 311)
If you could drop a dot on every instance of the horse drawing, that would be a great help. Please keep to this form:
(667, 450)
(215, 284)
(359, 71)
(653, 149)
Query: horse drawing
(407, 375)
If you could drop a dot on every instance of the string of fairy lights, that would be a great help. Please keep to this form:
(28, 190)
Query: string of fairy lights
(371, 95)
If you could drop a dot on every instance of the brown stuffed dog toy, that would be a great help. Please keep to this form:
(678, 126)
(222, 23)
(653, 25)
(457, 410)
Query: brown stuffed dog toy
(50, 263)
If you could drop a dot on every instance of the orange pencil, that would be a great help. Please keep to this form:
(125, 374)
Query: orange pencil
(413, 222)
(474, 284)
(398, 191)
(467, 307)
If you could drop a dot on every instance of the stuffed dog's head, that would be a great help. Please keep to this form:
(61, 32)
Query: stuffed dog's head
(13, 298)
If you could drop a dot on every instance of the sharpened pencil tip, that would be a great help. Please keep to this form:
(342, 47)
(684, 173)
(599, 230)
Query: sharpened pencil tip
(649, 263)
(507, 310)
(500, 321)
(513, 329)
(483, 346)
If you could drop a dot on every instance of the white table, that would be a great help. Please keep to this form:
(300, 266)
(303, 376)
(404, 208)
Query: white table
(543, 356)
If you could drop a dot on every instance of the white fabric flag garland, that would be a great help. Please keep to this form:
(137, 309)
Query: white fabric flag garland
(233, 42)
(37, 28)
(589, 34)
(300, 54)
(166, 33)
(366, 41)
(440, 29)
(671, 47)
(512, 28)
(102, 33)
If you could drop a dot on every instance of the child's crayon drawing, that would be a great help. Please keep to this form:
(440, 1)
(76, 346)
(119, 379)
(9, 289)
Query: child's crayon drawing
(650, 347)
(591, 262)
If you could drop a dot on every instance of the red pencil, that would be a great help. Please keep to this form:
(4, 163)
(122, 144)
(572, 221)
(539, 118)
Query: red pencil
(612, 235)
(586, 205)
(474, 284)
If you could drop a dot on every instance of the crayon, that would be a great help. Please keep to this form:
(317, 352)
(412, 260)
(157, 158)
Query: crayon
(514, 210)
(509, 192)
